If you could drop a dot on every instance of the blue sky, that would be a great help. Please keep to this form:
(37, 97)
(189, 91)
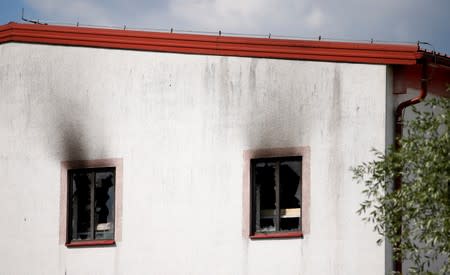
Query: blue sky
(382, 20)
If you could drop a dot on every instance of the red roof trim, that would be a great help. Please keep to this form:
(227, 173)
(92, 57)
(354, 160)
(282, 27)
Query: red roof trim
(211, 45)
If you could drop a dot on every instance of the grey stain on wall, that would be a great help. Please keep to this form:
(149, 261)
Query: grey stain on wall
(335, 150)
(73, 139)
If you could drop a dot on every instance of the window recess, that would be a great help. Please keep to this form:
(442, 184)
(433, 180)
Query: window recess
(276, 192)
(91, 206)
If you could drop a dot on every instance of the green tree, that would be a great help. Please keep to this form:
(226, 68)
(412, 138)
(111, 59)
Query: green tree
(420, 209)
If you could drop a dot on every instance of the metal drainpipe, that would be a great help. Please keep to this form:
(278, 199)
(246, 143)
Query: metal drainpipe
(399, 132)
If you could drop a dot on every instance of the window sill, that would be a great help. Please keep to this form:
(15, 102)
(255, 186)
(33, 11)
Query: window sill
(277, 235)
(90, 243)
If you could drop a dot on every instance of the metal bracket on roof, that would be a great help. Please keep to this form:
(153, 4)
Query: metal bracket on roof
(30, 20)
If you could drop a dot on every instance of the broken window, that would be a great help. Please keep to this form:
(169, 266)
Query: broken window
(276, 195)
(91, 200)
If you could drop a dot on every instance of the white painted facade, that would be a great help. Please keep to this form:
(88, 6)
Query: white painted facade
(181, 124)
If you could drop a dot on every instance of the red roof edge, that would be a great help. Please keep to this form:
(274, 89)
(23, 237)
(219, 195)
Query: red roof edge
(436, 58)
(213, 45)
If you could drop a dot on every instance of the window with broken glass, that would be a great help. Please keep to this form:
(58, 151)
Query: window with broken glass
(276, 195)
(91, 199)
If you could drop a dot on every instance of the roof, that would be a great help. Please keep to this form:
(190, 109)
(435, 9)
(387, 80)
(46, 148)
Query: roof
(371, 53)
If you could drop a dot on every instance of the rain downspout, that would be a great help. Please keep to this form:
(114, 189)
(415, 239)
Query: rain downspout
(399, 132)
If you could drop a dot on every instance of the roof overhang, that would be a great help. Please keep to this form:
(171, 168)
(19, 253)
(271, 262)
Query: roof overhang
(371, 53)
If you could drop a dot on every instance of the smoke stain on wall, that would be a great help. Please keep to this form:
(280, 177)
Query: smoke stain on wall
(335, 152)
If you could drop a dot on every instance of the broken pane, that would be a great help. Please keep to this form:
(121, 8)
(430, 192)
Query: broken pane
(104, 205)
(81, 206)
(265, 196)
(290, 194)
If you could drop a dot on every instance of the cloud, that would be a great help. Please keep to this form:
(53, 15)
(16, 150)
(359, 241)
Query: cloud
(221, 14)
(315, 18)
(86, 10)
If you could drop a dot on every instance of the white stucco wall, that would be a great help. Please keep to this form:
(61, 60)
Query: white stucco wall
(181, 124)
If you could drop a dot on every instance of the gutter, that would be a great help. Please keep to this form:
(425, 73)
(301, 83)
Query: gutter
(402, 106)
(399, 133)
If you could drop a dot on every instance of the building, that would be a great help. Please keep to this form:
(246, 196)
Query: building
(130, 152)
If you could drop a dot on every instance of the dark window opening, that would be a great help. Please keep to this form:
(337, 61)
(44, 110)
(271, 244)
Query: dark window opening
(91, 200)
(276, 195)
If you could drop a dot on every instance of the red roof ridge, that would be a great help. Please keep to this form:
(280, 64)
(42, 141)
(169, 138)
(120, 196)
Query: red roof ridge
(293, 49)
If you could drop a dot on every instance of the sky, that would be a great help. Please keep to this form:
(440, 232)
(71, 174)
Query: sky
(381, 20)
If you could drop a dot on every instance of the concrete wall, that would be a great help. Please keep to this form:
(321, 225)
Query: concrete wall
(181, 124)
